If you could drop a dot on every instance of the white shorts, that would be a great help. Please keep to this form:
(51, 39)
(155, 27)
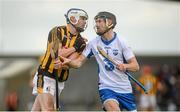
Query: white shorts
(44, 84)
(146, 101)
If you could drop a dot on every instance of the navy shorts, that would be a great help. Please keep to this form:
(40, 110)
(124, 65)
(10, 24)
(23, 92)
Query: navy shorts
(125, 100)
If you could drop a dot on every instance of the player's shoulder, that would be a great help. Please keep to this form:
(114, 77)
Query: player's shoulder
(57, 28)
(63, 27)
(95, 40)
(120, 38)
(79, 36)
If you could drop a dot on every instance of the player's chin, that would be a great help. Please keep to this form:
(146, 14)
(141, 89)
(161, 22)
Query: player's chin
(82, 28)
(99, 31)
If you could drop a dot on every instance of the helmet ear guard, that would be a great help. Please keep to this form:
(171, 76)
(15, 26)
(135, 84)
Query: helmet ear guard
(107, 24)
(73, 20)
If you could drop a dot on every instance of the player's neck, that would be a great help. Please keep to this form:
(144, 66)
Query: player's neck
(108, 35)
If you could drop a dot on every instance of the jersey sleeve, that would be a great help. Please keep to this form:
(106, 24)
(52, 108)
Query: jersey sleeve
(88, 50)
(127, 52)
(82, 47)
(53, 39)
(80, 44)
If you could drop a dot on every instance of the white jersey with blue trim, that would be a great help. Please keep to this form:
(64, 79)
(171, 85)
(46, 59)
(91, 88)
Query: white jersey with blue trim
(109, 76)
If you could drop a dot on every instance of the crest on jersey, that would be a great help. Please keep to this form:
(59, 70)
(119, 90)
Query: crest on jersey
(108, 65)
(115, 52)
(48, 89)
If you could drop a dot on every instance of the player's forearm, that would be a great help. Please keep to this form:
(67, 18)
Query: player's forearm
(75, 64)
(132, 67)
(78, 62)
(66, 52)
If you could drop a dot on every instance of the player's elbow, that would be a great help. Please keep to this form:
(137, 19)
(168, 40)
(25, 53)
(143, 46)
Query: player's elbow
(137, 67)
(77, 65)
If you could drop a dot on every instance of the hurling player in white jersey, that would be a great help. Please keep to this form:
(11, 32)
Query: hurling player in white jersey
(114, 86)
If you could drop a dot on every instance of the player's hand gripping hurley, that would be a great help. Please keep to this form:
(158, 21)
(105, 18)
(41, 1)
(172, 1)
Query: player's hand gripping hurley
(103, 53)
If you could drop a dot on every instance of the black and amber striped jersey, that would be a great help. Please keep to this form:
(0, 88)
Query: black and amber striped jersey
(150, 82)
(67, 40)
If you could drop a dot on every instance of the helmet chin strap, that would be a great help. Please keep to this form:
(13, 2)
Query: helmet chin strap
(78, 29)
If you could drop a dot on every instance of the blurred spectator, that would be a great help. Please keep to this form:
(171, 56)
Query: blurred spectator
(177, 95)
(166, 89)
(12, 101)
(31, 85)
(177, 88)
(148, 101)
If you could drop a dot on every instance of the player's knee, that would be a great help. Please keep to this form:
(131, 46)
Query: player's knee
(112, 106)
(48, 106)
(36, 105)
(47, 102)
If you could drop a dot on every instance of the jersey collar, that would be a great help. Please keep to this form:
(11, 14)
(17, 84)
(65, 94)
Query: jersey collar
(107, 42)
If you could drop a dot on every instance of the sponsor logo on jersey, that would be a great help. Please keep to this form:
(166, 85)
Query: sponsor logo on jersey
(107, 47)
(48, 89)
(115, 52)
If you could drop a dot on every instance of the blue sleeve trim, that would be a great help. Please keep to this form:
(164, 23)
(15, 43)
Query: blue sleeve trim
(90, 54)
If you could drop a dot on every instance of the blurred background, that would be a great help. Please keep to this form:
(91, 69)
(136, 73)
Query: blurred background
(151, 27)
